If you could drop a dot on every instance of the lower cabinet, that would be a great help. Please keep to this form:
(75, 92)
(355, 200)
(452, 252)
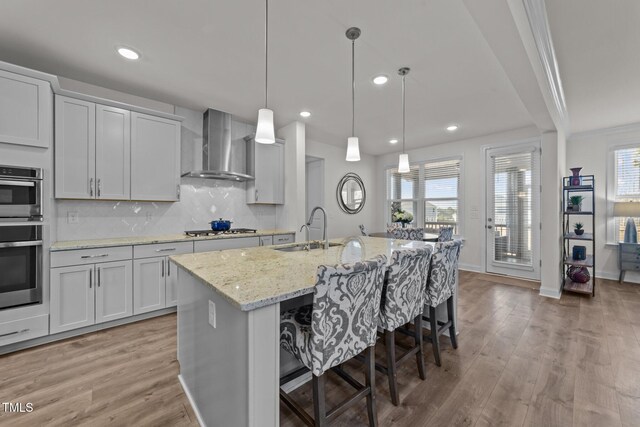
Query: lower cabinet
(149, 293)
(84, 295)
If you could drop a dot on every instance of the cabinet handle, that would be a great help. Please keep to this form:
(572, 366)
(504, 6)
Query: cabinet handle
(168, 268)
(256, 195)
(94, 256)
(22, 331)
(99, 279)
(165, 249)
(99, 187)
(90, 278)
(91, 187)
(178, 191)
(162, 268)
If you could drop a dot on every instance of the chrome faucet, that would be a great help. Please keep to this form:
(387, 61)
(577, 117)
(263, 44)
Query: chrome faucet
(306, 245)
(324, 226)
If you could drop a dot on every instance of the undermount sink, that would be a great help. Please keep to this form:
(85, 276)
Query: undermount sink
(302, 246)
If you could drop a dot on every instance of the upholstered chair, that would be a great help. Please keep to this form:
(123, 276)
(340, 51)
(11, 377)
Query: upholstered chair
(362, 230)
(440, 289)
(403, 302)
(406, 233)
(445, 234)
(340, 324)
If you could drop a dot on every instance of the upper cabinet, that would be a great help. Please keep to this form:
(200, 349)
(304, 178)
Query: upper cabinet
(25, 110)
(266, 163)
(109, 153)
(155, 158)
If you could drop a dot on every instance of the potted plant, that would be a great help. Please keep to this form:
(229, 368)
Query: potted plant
(401, 216)
(575, 203)
(578, 229)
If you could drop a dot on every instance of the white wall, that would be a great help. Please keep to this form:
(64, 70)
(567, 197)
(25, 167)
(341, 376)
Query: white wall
(335, 167)
(201, 201)
(473, 187)
(589, 151)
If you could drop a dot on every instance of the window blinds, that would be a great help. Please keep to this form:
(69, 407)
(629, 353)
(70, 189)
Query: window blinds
(513, 207)
(440, 186)
(627, 164)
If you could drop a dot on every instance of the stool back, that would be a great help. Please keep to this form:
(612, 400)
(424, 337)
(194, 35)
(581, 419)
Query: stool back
(403, 293)
(406, 233)
(445, 234)
(442, 274)
(346, 304)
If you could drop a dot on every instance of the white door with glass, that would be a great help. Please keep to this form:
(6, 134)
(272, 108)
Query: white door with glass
(512, 221)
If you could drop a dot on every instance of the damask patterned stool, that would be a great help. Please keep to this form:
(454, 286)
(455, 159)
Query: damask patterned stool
(340, 324)
(445, 234)
(440, 288)
(402, 302)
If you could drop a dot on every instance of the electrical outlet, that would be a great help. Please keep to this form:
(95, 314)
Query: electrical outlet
(72, 217)
(212, 314)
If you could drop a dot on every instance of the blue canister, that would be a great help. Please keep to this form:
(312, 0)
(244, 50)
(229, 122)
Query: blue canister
(579, 253)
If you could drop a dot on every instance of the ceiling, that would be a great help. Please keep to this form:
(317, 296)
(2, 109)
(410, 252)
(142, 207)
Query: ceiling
(206, 53)
(597, 45)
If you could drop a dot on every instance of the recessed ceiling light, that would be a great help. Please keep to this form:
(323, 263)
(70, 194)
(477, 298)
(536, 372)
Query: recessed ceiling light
(452, 128)
(128, 53)
(381, 79)
(393, 141)
(305, 114)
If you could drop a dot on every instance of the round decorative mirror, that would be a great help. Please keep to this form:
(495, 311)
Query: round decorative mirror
(351, 194)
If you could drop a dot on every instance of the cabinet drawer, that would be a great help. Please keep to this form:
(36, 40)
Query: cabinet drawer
(630, 266)
(24, 329)
(162, 249)
(90, 256)
(229, 243)
(283, 238)
(629, 248)
(631, 257)
(266, 240)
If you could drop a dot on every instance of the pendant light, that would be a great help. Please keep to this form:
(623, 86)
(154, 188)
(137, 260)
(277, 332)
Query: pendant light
(403, 161)
(353, 150)
(265, 133)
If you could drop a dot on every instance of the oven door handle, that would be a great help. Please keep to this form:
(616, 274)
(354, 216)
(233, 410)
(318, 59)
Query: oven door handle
(18, 183)
(20, 244)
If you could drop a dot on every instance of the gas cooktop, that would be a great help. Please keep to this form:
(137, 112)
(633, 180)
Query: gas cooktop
(198, 233)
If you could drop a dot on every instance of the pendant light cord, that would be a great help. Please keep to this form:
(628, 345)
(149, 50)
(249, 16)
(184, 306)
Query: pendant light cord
(266, 53)
(353, 88)
(403, 115)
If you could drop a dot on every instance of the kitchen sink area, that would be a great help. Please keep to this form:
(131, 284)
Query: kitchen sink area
(299, 247)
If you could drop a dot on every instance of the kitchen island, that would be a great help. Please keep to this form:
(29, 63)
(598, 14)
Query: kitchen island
(229, 305)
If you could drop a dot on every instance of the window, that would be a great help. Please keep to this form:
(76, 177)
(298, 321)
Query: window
(624, 186)
(430, 192)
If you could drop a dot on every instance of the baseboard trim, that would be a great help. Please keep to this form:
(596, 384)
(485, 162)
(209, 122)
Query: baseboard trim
(10, 348)
(470, 267)
(550, 293)
(191, 402)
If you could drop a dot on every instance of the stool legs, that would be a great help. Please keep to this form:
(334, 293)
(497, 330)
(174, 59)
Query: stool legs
(370, 382)
(435, 342)
(452, 328)
(417, 322)
(319, 401)
(390, 344)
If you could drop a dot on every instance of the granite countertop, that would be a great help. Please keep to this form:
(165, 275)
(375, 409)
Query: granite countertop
(148, 240)
(256, 277)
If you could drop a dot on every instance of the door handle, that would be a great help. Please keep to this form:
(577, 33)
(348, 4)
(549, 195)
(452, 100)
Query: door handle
(489, 227)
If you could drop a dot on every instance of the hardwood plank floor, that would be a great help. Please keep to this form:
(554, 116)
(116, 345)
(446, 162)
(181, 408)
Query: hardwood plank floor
(522, 360)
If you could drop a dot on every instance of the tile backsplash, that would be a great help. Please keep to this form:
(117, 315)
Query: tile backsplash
(201, 201)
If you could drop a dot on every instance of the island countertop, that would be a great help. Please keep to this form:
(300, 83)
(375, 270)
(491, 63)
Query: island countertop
(256, 277)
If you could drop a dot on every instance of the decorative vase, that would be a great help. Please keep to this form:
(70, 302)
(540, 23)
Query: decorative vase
(575, 179)
(579, 232)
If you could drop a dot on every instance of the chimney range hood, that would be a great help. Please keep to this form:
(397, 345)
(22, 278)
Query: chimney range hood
(220, 159)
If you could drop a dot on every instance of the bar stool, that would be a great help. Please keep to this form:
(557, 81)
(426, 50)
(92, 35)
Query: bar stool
(440, 288)
(402, 302)
(406, 233)
(445, 234)
(340, 324)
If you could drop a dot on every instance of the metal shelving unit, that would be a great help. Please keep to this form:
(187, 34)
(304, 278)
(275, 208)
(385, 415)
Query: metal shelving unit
(586, 187)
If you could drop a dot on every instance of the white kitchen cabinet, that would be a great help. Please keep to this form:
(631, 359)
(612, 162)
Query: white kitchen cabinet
(155, 158)
(171, 298)
(266, 240)
(149, 292)
(72, 298)
(25, 110)
(266, 163)
(114, 290)
(113, 153)
(75, 148)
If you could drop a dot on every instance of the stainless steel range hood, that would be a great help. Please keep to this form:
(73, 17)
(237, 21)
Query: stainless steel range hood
(221, 157)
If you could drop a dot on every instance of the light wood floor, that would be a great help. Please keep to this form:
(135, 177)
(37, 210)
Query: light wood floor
(522, 360)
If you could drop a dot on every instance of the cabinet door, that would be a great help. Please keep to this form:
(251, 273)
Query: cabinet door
(25, 110)
(172, 284)
(155, 158)
(75, 155)
(72, 298)
(114, 291)
(113, 153)
(269, 173)
(149, 291)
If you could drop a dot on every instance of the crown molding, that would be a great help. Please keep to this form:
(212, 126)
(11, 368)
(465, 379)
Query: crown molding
(613, 130)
